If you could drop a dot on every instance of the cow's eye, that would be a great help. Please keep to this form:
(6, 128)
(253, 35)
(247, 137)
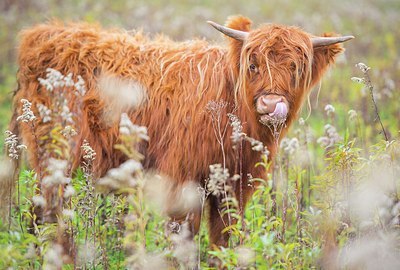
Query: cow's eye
(253, 68)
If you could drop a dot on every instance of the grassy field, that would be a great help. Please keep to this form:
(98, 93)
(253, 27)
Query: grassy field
(337, 203)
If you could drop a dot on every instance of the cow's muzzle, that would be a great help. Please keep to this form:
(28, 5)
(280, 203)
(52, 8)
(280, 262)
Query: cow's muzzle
(272, 107)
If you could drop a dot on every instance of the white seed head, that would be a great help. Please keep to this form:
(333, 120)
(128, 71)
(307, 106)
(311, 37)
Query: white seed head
(12, 146)
(27, 114)
(246, 256)
(290, 146)
(69, 191)
(363, 67)
(56, 175)
(53, 257)
(357, 80)
(237, 128)
(80, 86)
(126, 127)
(39, 201)
(68, 132)
(329, 109)
(218, 177)
(68, 213)
(331, 137)
(44, 112)
(89, 155)
(352, 115)
(121, 177)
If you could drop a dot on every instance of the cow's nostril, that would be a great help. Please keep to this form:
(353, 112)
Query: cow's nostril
(264, 101)
(268, 103)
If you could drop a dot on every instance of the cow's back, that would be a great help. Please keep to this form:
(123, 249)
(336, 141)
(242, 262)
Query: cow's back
(68, 49)
(179, 80)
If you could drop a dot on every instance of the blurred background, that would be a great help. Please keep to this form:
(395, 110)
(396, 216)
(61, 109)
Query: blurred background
(374, 23)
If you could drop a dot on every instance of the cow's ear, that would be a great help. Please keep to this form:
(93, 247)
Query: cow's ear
(235, 45)
(323, 57)
(238, 22)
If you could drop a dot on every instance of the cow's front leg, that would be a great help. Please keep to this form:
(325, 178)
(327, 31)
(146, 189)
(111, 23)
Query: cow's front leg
(220, 217)
(219, 220)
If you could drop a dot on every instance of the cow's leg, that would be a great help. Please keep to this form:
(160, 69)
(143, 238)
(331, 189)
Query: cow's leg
(191, 221)
(195, 222)
(218, 221)
(183, 206)
(243, 193)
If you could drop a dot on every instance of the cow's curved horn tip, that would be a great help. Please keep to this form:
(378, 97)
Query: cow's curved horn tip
(346, 38)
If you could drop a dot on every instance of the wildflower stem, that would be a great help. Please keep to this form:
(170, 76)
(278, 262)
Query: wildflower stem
(19, 204)
(215, 110)
(10, 206)
(367, 82)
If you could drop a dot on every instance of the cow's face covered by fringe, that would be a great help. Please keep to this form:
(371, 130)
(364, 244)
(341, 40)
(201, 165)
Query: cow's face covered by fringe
(276, 66)
(275, 69)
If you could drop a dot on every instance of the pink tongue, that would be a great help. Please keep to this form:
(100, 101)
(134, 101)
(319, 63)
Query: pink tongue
(280, 111)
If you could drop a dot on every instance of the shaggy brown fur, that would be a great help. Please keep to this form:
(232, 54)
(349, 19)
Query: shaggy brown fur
(181, 78)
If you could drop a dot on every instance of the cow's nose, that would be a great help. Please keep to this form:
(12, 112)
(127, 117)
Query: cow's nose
(267, 103)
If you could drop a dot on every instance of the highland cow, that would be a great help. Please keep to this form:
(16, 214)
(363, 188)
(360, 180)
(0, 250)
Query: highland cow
(262, 75)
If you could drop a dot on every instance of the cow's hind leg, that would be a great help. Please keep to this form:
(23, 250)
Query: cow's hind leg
(8, 176)
(190, 223)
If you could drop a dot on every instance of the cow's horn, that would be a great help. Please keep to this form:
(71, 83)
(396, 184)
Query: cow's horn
(325, 41)
(236, 34)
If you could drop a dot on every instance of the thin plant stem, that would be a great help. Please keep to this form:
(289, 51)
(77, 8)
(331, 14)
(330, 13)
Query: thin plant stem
(367, 81)
(220, 134)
